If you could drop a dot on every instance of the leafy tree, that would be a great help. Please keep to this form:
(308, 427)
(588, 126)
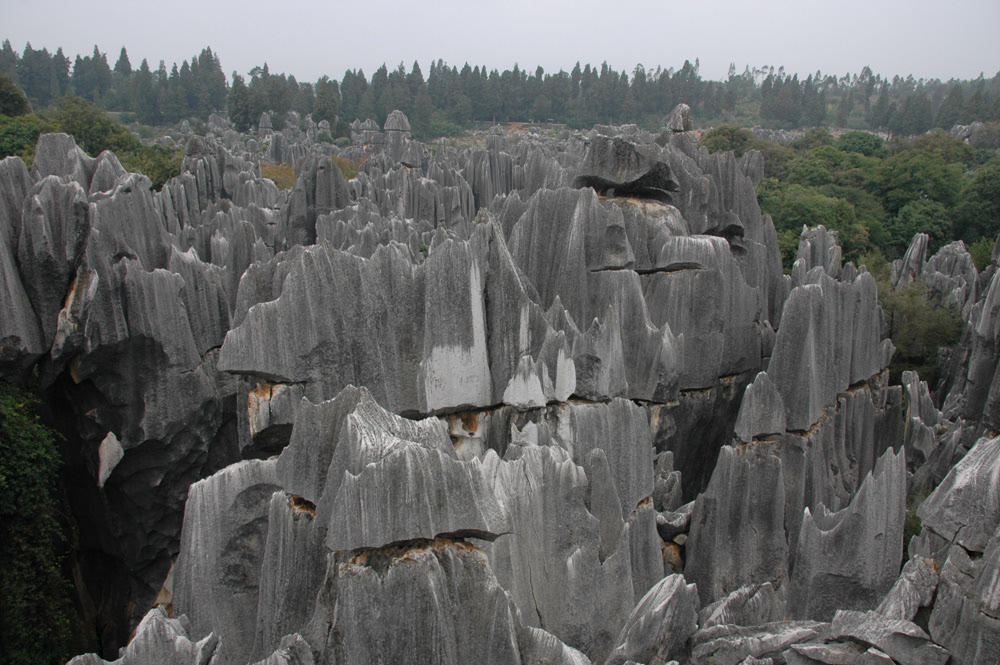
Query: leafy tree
(809, 171)
(728, 137)
(919, 323)
(865, 143)
(915, 117)
(93, 129)
(19, 135)
(156, 162)
(920, 216)
(986, 137)
(96, 131)
(13, 101)
(423, 111)
(35, 610)
(982, 252)
(777, 158)
(978, 214)
(917, 174)
(60, 71)
(844, 108)
(814, 138)
(951, 150)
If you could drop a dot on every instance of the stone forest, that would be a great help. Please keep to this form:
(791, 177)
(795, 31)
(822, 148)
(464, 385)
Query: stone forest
(546, 400)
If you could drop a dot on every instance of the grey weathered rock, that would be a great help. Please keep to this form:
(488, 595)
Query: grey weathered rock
(922, 420)
(291, 573)
(911, 266)
(825, 322)
(293, 650)
(737, 528)
(575, 582)
(409, 494)
(731, 645)
(914, 589)
(874, 657)
(965, 507)
(902, 640)
(751, 605)
(818, 248)
(666, 483)
(563, 334)
(660, 625)
(217, 576)
(464, 614)
(615, 167)
(160, 640)
(319, 188)
(762, 413)
(58, 154)
(846, 653)
(679, 119)
(967, 605)
(850, 559)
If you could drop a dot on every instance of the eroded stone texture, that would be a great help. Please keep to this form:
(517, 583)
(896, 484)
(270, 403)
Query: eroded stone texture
(849, 559)
(737, 528)
(660, 625)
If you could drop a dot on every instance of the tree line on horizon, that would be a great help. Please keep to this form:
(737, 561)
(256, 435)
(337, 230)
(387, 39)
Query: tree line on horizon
(450, 98)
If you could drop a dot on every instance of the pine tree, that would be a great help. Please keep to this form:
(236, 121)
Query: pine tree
(123, 66)
(326, 105)
(951, 108)
(238, 104)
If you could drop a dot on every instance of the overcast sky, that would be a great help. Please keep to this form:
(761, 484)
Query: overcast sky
(926, 38)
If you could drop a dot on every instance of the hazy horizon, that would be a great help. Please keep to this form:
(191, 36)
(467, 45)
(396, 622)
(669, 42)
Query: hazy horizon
(308, 41)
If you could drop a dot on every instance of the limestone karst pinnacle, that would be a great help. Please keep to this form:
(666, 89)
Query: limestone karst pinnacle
(544, 401)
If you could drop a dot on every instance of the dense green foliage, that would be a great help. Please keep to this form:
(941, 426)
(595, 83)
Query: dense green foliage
(450, 96)
(13, 102)
(728, 137)
(918, 323)
(19, 135)
(35, 610)
(876, 195)
(94, 131)
(982, 252)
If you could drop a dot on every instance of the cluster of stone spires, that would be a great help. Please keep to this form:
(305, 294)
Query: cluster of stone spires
(627, 435)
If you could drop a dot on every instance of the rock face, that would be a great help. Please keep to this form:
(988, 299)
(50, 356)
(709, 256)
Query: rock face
(478, 404)
(850, 558)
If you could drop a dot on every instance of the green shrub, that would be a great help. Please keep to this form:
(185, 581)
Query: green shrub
(324, 137)
(35, 610)
(12, 99)
(440, 127)
(864, 143)
(728, 137)
(283, 175)
(912, 525)
(18, 136)
(93, 129)
(158, 163)
(346, 166)
(919, 324)
(982, 252)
